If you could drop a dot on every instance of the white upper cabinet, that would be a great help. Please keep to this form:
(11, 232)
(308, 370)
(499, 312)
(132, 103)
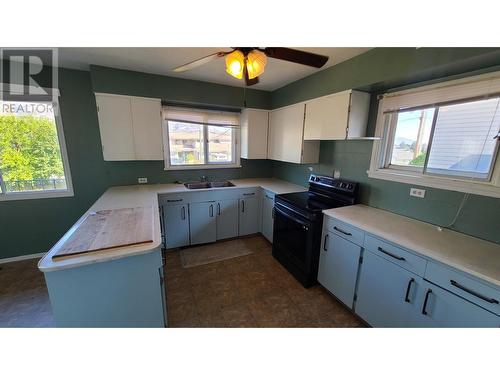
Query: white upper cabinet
(254, 127)
(343, 115)
(130, 127)
(286, 136)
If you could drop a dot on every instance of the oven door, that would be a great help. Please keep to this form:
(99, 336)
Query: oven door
(293, 237)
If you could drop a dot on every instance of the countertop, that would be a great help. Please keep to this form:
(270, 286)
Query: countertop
(472, 255)
(142, 196)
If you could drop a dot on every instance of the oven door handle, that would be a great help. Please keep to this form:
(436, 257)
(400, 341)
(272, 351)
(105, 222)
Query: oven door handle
(288, 216)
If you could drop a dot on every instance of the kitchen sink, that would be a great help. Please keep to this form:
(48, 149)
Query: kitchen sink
(207, 185)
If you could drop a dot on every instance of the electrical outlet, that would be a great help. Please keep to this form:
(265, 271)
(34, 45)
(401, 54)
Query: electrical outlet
(336, 173)
(142, 180)
(419, 193)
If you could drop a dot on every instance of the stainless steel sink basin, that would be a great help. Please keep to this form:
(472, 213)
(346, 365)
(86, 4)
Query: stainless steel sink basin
(216, 184)
(206, 185)
(197, 185)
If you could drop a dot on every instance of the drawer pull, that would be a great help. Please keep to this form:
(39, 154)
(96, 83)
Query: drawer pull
(474, 293)
(424, 307)
(174, 200)
(324, 243)
(390, 254)
(408, 288)
(248, 194)
(342, 231)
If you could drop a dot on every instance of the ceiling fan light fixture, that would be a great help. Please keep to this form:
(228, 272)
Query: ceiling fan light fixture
(256, 63)
(235, 63)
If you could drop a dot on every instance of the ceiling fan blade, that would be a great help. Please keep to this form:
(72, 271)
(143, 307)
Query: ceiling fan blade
(248, 81)
(296, 56)
(200, 62)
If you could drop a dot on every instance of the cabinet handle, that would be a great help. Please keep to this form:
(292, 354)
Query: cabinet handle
(342, 231)
(174, 200)
(424, 307)
(183, 213)
(218, 208)
(273, 212)
(324, 242)
(474, 293)
(211, 210)
(408, 288)
(247, 194)
(390, 254)
(242, 206)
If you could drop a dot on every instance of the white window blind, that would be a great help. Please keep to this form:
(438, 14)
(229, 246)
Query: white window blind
(201, 117)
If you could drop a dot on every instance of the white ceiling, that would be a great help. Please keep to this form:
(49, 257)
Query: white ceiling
(162, 60)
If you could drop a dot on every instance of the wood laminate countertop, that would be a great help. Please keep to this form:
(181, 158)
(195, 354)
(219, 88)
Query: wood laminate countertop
(472, 255)
(142, 196)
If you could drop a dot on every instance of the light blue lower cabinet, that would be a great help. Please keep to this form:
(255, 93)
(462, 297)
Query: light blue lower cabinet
(249, 216)
(126, 292)
(202, 222)
(338, 266)
(387, 295)
(176, 225)
(227, 219)
(441, 308)
(267, 216)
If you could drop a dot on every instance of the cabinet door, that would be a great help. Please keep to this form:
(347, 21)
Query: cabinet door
(176, 222)
(445, 309)
(202, 222)
(115, 126)
(254, 125)
(146, 120)
(267, 216)
(286, 130)
(249, 216)
(387, 295)
(338, 266)
(227, 219)
(327, 117)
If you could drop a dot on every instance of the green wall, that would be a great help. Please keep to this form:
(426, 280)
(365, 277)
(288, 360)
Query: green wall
(33, 226)
(375, 71)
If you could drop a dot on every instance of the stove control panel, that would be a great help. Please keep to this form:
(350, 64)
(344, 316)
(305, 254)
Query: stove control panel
(333, 184)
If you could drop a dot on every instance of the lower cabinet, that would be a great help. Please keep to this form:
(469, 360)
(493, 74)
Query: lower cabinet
(202, 222)
(338, 266)
(440, 308)
(249, 216)
(176, 225)
(227, 219)
(387, 295)
(267, 216)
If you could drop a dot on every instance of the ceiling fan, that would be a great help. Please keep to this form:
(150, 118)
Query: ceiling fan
(250, 62)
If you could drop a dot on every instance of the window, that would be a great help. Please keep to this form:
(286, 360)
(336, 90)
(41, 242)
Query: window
(196, 139)
(444, 136)
(33, 161)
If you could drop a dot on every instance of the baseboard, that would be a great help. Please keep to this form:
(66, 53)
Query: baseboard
(22, 257)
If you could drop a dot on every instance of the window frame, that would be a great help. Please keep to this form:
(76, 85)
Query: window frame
(207, 165)
(53, 193)
(428, 96)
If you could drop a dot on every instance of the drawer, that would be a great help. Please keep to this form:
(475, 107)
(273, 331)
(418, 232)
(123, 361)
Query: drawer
(344, 230)
(396, 254)
(172, 199)
(465, 286)
(249, 193)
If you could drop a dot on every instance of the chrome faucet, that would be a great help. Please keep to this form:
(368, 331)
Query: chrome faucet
(204, 179)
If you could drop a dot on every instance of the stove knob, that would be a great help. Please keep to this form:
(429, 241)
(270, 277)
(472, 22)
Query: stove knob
(349, 186)
(317, 178)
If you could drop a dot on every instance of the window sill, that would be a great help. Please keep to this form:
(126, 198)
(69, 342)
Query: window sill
(479, 188)
(194, 167)
(35, 195)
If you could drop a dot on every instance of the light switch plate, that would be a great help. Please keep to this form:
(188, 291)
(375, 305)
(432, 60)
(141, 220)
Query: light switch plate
(142, 180)
(419, 193)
